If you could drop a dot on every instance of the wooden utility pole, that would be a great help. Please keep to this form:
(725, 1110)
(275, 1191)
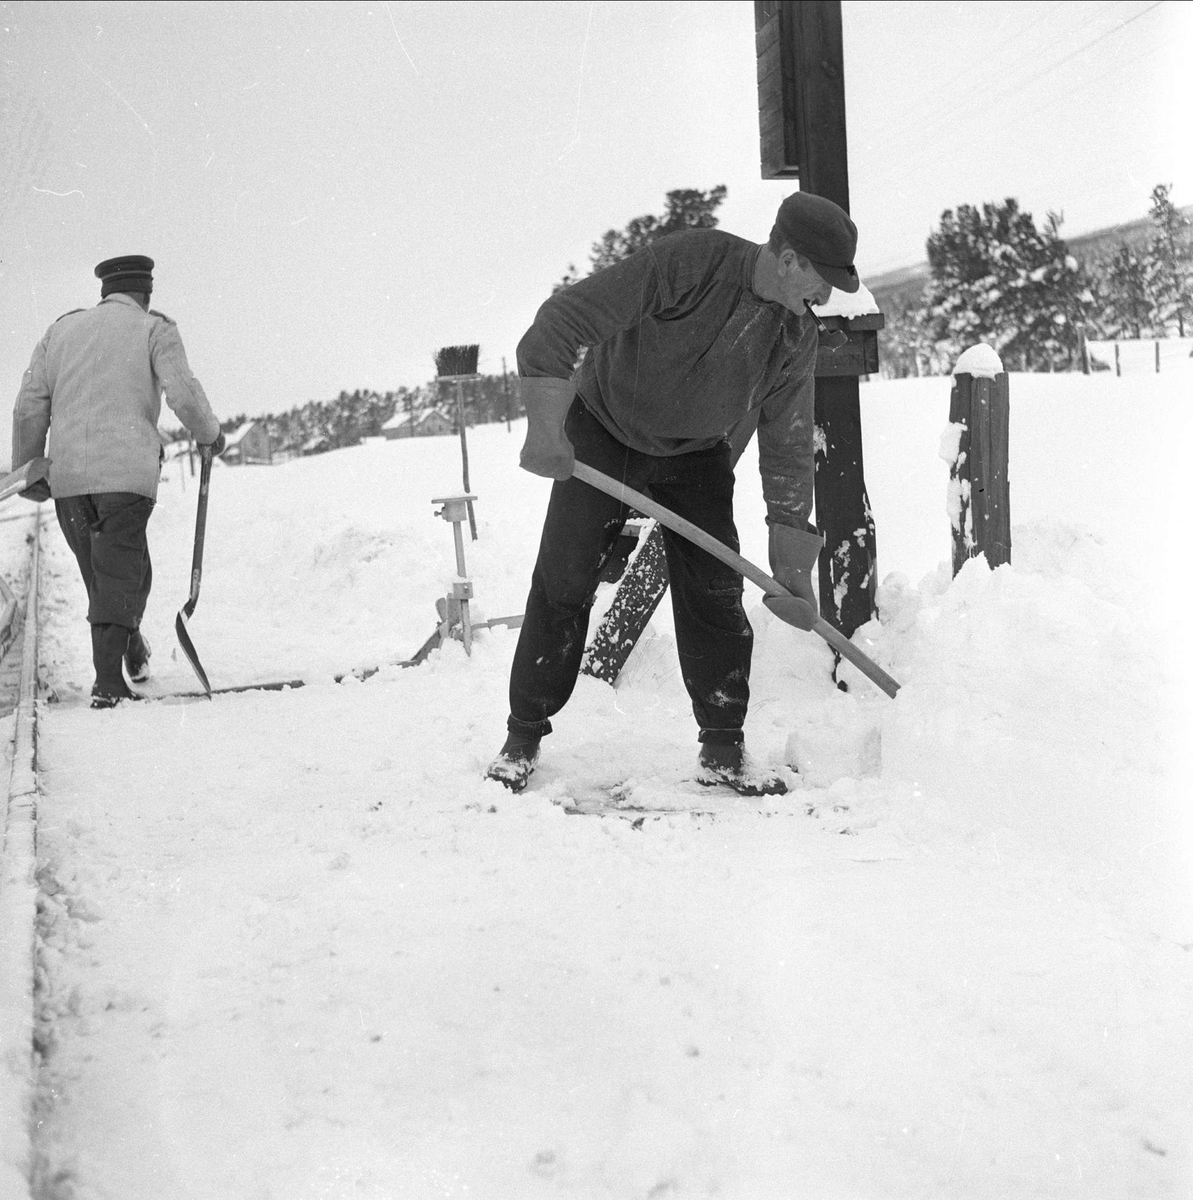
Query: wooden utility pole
(801, 112)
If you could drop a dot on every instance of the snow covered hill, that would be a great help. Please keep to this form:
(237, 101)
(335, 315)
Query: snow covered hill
(295, 945)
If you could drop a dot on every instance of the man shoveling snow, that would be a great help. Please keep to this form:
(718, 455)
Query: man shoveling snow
(695, 339)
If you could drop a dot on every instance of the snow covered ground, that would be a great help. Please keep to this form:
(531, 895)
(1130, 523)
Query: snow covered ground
(294, 945)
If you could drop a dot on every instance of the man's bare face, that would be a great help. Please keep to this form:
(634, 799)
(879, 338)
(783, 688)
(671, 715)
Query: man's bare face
(800, 282)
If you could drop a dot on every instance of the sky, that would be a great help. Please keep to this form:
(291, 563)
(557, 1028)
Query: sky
(331, 192)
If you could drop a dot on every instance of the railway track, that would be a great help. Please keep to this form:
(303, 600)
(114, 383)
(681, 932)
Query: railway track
(18, 867)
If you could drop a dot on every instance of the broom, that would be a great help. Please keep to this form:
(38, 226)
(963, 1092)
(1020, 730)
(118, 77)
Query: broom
(455, 364)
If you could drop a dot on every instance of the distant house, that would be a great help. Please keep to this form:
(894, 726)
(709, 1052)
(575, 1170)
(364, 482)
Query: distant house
(431, 422)
(248, 444)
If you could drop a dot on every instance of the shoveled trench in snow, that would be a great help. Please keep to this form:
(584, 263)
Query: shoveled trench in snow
(295, 945)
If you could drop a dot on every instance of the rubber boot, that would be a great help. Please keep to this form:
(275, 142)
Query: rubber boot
(136, 657)
(108, 646)
(725, 762)
(513, 767)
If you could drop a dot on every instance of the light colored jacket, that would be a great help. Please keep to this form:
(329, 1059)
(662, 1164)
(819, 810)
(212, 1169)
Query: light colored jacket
(95, 387)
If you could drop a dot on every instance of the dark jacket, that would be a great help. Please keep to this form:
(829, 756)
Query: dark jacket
(681, 350)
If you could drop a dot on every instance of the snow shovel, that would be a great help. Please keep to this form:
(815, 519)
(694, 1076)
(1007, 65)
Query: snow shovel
(790, 608)
(188, 609)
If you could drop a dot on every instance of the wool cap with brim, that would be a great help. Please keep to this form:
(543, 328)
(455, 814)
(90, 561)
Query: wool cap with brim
(823, 233)
(131, 273)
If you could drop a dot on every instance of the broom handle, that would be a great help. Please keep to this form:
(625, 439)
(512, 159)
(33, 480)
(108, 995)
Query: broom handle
(743, 566)
(464, 453)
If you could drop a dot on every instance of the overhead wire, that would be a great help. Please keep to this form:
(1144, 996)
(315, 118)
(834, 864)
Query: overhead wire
(953, 120)
(929, 99)
(982, 77)
(985, 93)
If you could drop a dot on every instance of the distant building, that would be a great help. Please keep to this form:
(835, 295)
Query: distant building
(430, 422)
(248, 444)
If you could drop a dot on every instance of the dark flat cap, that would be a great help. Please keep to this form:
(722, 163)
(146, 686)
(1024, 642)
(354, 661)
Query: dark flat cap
(823, 233)
(129, 273)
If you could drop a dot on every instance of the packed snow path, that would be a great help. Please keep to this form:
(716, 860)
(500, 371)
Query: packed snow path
(294, 945)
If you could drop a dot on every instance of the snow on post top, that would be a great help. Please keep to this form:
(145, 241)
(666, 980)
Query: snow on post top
(981, 361)
(848, 304)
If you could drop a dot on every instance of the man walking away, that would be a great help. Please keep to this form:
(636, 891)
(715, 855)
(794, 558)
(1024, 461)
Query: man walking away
(94, 389)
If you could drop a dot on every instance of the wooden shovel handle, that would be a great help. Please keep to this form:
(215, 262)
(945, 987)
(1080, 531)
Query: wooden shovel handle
(743, 566)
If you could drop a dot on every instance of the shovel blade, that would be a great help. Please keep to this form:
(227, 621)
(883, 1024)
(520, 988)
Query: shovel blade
(188, 648)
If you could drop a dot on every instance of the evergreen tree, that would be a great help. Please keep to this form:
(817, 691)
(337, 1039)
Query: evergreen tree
(687, 208)
(1170, 265)
(998, 279)
(1124, 308)
(907, 347)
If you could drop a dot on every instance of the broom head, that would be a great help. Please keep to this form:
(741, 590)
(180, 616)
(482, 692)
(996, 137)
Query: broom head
(456, 360)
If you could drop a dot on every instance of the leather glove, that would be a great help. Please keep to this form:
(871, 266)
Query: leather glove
(793, 554)
(547, 450)
(37, 492)
(219, 445)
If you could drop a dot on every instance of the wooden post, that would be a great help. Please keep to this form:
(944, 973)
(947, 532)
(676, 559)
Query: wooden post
(1082, 349)
(979, 483)
(1118, 370)
(461, 421)
(1157, 357)
(801, 67)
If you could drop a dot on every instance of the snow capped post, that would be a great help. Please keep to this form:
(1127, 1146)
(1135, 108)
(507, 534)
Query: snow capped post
(976, 446)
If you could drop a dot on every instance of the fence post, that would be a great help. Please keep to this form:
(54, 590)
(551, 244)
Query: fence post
(1082, 349)
(979, 483)
(1157, 357)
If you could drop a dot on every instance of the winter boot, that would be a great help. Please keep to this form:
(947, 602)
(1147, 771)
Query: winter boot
(512, 768)
(108, 645)
(136, 657)
(727, 763)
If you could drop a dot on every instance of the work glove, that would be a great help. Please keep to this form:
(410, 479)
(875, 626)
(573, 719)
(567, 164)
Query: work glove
(219, 445)
(547, 450)
(793, 554)
(37, 492)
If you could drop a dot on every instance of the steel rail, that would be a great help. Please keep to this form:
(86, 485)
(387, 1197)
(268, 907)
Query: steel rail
(18, 899)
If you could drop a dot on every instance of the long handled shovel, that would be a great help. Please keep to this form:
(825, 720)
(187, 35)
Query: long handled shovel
(188, 609)
(792, 609)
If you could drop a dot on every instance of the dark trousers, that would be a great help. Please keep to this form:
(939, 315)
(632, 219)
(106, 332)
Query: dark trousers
(106, 533)
(581, 527)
